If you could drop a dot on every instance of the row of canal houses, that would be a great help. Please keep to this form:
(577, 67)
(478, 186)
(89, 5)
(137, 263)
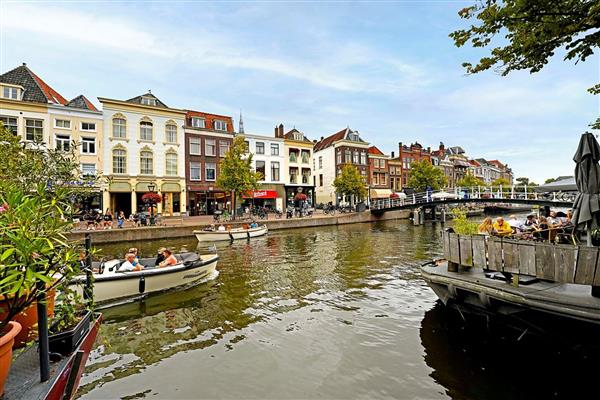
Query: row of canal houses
(141, 144)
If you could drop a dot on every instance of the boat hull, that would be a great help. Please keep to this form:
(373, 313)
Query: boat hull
(233, 234)
(120, 286)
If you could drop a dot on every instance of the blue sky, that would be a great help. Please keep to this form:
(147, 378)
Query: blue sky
(387, 69)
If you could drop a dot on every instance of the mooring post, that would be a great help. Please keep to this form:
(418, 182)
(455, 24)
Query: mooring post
(422, 217)
(443, 215)
(416, 216)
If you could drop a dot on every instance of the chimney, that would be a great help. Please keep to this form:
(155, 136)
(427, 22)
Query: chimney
(400, 149)
(280, 130)
(24, 64)
(322, 138)
(429, 149)
(276, 131)
(441, 146)
(315, 141)
(392, 154)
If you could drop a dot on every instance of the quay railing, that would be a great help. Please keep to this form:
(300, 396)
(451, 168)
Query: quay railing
(473, 193)
(559, 263)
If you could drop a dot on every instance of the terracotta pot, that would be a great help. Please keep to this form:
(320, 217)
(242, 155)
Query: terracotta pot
(28, 319)
(6, 343)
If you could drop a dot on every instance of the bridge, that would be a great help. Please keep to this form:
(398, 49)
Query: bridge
(486, 195)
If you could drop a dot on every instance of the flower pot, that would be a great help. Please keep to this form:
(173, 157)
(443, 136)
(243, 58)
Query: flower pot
(67, 341)
(7, 339)
(28, 319)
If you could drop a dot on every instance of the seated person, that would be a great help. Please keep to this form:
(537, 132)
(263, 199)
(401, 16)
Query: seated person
(169, 259)
(530, 221)
(553, 220)
(501, 228)
(134, 251)
(542, 229)
(253, 224)
(245, 226)
(221, 228)
(486, 227)
(515, 224)
(128, 264)
(160, 257)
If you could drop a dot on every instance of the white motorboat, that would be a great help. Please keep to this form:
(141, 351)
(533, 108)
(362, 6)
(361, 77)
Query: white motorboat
(211, 235)
(114, 286)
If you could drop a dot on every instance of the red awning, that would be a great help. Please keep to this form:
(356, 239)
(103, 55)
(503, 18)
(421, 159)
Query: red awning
(261, 194)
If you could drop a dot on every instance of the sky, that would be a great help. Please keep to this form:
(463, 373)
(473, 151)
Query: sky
(385, 68)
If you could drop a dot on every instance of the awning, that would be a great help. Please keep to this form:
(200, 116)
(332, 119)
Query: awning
(261, 194)
(381, 193)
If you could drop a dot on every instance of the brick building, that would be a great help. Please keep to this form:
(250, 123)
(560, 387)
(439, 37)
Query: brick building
(407, 155)
(379, 179)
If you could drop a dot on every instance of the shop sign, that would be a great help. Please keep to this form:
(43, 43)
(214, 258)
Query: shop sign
(262, 194)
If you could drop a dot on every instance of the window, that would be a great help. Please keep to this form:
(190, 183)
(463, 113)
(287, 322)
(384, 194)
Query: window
(210, 147)
(10, 123)
(376, 163)
(62, 123)
(260, 167)
(293, 157)
(119, 161)
(305, 176)
(88, 169)
(320, 179)
(11, 93)
(88, 145)
(363, 158)
(220, 125)
(211, 171)
(274, 149)
(198, 122)
(171, 131)
(88, 126)
(363, 172)
(34, 130)
(146, 130)
(260, 148)
(146, 161)
(275, 171)
(347, 156)
(63, 142)
(355, 157)
(148, 101)
(382, 164)
(195, 169)
(195, 145)
(171, 167)
(293, 175)
(375, 179)
(119, 128)
(247, 145)
(320, 162)
(339, 158)
(305, 157)
(223, 147)
(298, 136)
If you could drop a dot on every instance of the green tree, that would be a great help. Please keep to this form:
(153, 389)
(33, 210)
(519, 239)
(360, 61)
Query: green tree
(524, 181)
(423, 174)
(501, 182)
(236, 174)
(350, 183)
(550, 180)
(524, 35)
(470, 181)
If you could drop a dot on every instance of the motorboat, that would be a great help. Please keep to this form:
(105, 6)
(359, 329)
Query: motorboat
(214, 235)
(112, 285)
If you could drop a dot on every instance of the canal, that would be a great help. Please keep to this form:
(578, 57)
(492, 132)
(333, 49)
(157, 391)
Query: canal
(330, 312)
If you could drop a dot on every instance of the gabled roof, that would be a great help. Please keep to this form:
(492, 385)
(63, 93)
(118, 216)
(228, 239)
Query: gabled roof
(374, 150)
(330, 140)
(35, 89)
(82, 102)
(497, 163)
(138, 100)
(290, 135)
(474, 163)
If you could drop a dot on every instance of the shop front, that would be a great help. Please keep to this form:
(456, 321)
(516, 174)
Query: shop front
(120, 197)
(292, 191)
(263, 198)
(171, 198)
(206, 202)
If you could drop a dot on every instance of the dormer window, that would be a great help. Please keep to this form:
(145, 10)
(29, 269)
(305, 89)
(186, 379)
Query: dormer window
(354, 137)
(198, 122)
(298, 136)
(10, 93)
(220, 125)
(148, 101)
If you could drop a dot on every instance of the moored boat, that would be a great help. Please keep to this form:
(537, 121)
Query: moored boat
(114, 286)
(211, 235)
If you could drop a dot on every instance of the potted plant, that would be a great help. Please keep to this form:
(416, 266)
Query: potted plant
(72, 321)
(36, 192)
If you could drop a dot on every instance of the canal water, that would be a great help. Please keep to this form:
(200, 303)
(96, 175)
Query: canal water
(330, 312)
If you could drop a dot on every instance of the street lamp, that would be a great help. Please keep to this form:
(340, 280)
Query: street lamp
(151, 187)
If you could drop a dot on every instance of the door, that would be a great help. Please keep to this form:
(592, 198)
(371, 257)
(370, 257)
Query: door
(167, 208)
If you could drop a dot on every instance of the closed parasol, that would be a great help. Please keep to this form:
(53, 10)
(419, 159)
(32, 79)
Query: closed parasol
(586, 208)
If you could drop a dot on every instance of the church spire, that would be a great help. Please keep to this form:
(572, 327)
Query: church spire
(241, 124)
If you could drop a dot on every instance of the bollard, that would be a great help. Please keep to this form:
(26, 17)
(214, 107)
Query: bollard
(416, 217)
(443, 215)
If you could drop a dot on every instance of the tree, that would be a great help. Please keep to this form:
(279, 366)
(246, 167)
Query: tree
(236, 174)
(500, 182)
(423, 175)
(523, 181)
(550, 180)
(529, 33)
(470, 181)
(350, 183)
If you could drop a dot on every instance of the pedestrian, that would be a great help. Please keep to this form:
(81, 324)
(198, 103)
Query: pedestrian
(120, 219)
(108, 218)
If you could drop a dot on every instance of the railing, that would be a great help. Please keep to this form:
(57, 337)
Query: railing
(477, 192)
(553, 262)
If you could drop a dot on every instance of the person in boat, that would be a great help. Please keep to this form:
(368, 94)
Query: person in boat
(169, 259)
(501, 227)
(160, 257)
(486, 227)
(253, 224)
(128, 265)
(134, 251)
(221, 228)
(245, 226)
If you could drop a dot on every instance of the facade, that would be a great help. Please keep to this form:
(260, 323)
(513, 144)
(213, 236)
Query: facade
(207, 140)
(345, 147)
(299, 164)
(144, 151)
(268, 158)
(395, 173)
(408, 154)
(379, 174)
(441, 160)
(489, 171)
(505, 171)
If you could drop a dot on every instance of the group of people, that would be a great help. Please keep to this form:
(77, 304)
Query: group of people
(542, 228)
(164, 258)
(223, 228)
(96, 220)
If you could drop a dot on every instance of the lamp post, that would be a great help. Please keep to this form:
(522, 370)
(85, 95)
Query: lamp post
(151, 187)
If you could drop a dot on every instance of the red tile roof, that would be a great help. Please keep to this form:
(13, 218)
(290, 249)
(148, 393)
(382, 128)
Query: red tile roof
(52, 95)
(375, 150)
(209, 118)
(474, 163)
(329, 140)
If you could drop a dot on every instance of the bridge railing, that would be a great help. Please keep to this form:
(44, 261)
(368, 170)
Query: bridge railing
(475, 192)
